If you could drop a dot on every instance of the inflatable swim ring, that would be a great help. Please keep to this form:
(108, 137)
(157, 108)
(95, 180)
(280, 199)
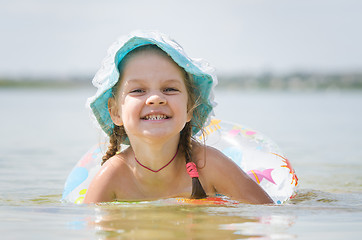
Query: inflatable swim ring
(257, 155)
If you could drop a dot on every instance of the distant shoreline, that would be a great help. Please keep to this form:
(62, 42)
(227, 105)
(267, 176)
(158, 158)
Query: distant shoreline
(267, 81)
(293, 81)
(33, 83)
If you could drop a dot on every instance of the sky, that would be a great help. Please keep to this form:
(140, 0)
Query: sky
(71, 37)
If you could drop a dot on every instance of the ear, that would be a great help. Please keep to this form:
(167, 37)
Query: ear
(115, 112)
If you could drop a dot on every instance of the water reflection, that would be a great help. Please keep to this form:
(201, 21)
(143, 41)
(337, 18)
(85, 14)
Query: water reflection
(187, 222)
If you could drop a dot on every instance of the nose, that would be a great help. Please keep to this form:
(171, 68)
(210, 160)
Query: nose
(156, 99)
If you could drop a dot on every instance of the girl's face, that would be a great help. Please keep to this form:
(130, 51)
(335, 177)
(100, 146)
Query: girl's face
(151, 102)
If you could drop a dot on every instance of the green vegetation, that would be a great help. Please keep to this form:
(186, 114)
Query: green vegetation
(44, 83)
(291, 81)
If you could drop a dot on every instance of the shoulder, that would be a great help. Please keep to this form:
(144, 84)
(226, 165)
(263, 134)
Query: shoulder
(110, 169)
(220, 173)
(210, 158)
(104, 185)
(115, 170)
(213, 165)
(116, 163)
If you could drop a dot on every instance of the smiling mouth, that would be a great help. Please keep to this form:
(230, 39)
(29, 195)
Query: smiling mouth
(155, 117)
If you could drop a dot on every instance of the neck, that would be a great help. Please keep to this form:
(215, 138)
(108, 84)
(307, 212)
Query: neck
(155, 160)
(157, 170)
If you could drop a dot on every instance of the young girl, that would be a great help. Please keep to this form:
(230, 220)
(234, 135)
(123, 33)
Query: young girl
(154, 98)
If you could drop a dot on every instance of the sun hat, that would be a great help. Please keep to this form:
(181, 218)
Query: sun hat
(203, 74)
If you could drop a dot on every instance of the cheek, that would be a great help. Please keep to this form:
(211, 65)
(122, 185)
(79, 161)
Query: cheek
(130, 107)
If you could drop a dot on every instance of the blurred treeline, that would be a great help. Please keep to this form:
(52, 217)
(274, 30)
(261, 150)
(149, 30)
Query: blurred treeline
(266, 80)
(293, 81)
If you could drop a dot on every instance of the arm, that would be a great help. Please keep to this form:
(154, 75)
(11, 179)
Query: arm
(229, 179)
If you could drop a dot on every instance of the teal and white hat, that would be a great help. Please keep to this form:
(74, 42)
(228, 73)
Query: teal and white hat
(204, 77)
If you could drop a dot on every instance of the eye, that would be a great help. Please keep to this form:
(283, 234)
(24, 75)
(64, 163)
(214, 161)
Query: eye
(137, 91)
(170, 90)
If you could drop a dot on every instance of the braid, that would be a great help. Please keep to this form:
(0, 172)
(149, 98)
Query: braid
(118, 135)
(115, 141)
(186, 144)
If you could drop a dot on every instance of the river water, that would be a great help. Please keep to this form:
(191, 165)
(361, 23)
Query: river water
(45, 131)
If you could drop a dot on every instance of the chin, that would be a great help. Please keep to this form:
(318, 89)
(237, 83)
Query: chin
(160, 135)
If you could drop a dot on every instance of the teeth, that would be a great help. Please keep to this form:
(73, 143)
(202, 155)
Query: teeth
(155, 117)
